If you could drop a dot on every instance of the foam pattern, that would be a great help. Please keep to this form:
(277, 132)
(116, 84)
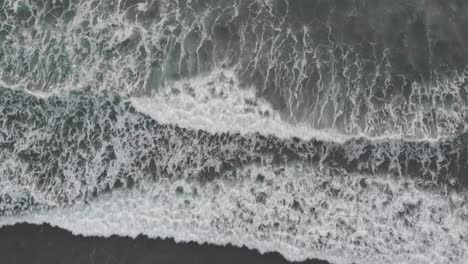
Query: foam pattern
(72, 146)
(68, 159)
(318, 129)
(331, 64)
(301, 213)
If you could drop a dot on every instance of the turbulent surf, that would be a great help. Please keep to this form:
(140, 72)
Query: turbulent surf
(329, 129)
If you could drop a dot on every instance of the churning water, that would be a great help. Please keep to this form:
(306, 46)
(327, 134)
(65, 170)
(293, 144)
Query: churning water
(316, 128)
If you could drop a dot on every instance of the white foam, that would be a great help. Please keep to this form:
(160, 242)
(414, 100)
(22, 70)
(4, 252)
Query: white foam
(348, 223)
(389, 221)
(216, 103)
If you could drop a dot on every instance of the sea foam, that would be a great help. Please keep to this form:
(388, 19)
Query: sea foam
(298, 212)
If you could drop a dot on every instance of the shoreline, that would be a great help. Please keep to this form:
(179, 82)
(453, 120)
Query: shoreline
(30, 243)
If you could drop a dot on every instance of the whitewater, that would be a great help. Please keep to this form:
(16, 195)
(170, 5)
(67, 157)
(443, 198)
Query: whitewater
(265, 124)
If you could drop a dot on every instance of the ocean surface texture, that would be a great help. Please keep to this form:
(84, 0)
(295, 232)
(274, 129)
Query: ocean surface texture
(316, 129)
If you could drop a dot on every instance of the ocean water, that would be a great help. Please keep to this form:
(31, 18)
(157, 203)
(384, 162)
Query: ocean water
(322, 129)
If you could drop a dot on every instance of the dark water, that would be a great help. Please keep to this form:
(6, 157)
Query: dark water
(318, 129)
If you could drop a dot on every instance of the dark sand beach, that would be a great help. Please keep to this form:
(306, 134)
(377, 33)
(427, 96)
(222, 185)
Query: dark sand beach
(26, 244)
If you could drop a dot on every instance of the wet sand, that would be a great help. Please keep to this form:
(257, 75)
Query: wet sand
(27, 244)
